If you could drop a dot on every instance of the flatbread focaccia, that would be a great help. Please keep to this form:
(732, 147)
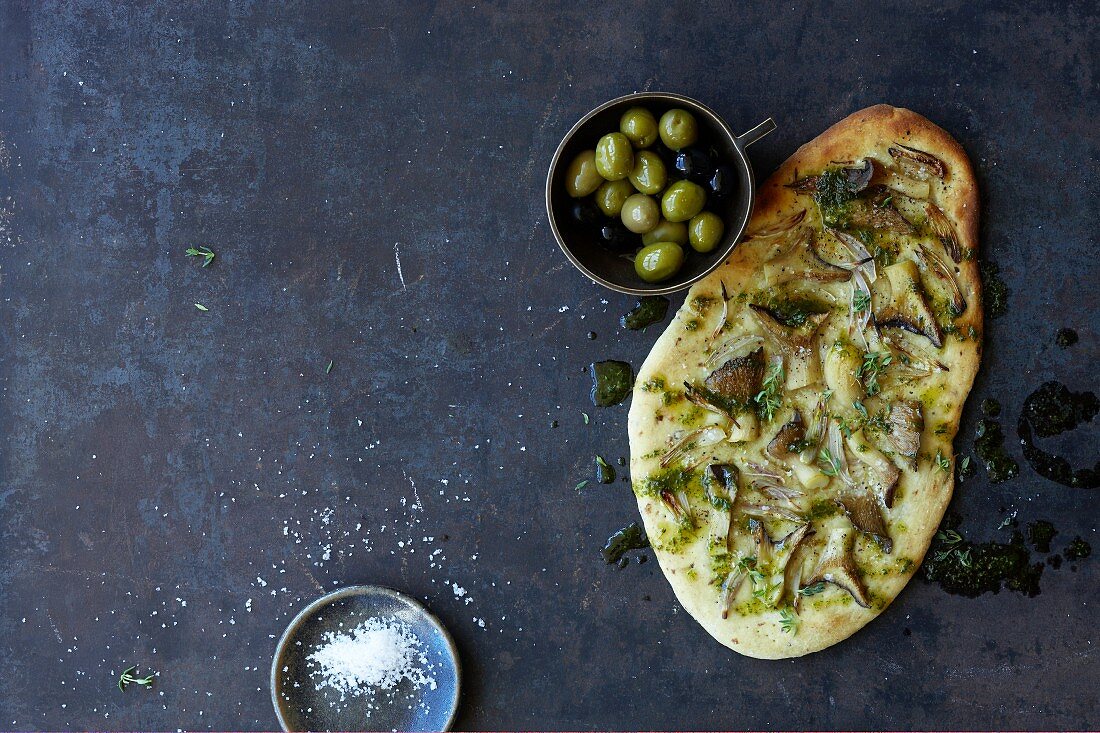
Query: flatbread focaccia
(790, 432)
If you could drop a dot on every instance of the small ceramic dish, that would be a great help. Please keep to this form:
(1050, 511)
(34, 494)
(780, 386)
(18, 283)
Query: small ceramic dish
(581, 243)
(303, 704)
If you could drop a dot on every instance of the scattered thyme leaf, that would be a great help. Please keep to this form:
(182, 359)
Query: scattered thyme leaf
(1007, 521)
(861, 301)
(943, 462)
(860, 409)
(788, 621)
(769, 399)
(206, 253)
(585, 416)
(127, 678)
(328, 367)
(581, 485)
(873, 365)
(832, 464)
(201, 307)
(949, 537)
(812, 590)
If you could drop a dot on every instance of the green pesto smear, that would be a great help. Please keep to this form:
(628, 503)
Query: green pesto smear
(995, 292)
(611, 382)
(1040, 533)
(791, 311)
(1065, 338)
(648, 310)
(630, 537)
(1050, 410)
(971, 569)
(605, 472)
(989, 445)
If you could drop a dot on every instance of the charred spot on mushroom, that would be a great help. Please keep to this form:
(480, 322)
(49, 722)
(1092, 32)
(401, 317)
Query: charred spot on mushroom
(788, 441)
(906, 423)
(875, 211)
(866, 515)
(677, 503)
(796, 344)
(802, 262)
(917, 163)
(739, 378)
(837, 566)
(908, 309)
(720, 483)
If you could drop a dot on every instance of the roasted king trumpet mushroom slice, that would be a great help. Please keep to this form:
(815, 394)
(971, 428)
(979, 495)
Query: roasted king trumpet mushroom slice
(908, 309)
(798, 345)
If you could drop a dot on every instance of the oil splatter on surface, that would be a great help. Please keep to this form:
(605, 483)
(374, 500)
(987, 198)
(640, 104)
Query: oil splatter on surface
(176, 485)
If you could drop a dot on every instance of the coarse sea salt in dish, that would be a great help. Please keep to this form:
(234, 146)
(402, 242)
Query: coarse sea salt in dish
(365, 658)
(374, 656)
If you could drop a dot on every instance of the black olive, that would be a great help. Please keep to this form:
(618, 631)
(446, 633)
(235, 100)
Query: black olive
(695, 164)
(586, 212)
(721, 184)
(618, 238)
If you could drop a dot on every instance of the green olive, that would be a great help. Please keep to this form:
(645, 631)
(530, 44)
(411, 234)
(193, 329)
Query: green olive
(705, 231)
(640, 213)
(649, 174)
(611, 195)
(683, 200)
(582, 178)
(640, 126)
(614, 156)
(667, 231)
(678, 129)
(658, 261)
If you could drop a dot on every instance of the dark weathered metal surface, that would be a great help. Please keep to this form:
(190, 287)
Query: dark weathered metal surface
(176, 484)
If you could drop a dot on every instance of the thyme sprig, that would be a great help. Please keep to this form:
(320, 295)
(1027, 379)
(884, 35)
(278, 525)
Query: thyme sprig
(832, 463)
(789, 622)
(770, 398)
(127, 678)
(206, 253)
(874, 363)
(812, 590)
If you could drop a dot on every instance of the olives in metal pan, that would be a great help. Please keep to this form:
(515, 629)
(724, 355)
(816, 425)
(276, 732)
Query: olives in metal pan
(582, 178)
(678, 129)
(694, 164)
(658, 261)
(722, 182)
(667, 231)
(640, 127)
(618, 238)
(586, 212)
(641, 213)
(611, 195)
(614, 156)
(682, 200)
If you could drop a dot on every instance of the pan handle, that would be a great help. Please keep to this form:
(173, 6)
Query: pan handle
(755, 133)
